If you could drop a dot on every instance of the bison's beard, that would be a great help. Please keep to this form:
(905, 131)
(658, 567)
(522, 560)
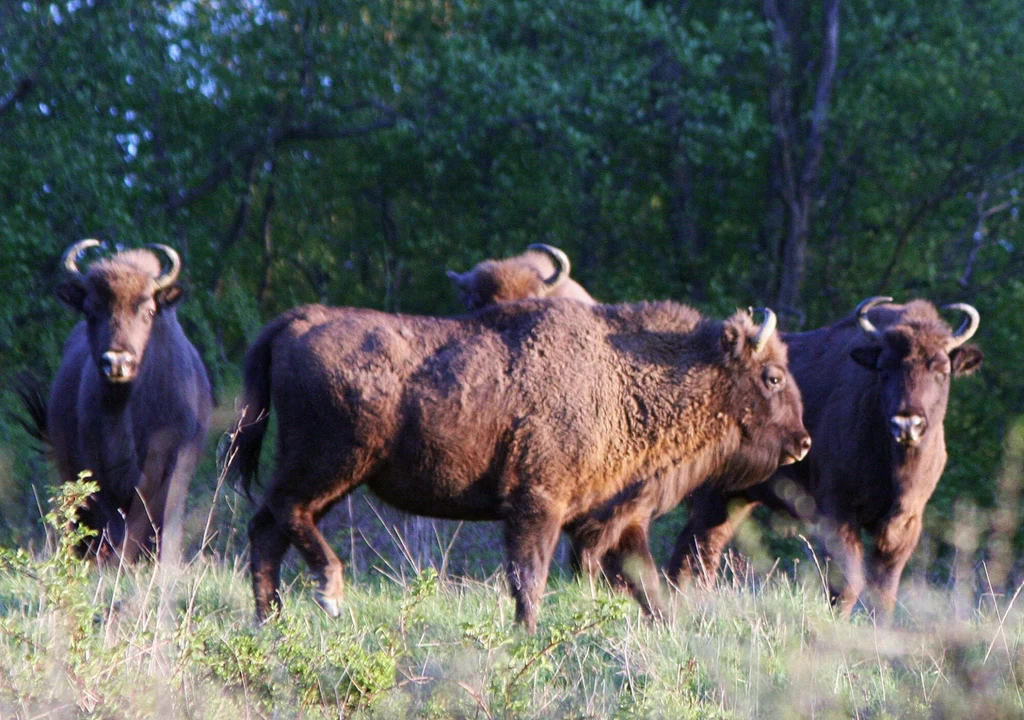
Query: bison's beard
(751, 464)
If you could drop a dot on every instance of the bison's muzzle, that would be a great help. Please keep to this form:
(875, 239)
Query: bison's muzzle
(795, 449)
(907, 429)
(118, 366)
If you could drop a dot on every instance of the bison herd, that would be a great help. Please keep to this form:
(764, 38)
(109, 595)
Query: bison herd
(542, 408)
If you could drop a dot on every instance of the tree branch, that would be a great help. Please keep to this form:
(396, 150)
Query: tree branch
(797, 184)
(822, 96)
(956, 180)
(780, 105)
(27, 83)
(270, 139)
(981, 216)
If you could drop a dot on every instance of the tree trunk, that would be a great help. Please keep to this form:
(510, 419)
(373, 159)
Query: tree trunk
(800, 146)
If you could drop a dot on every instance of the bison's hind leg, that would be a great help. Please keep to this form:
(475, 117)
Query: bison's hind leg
(308, 481)
(271, 533)
(296, 520)
(298, 497)
(267, 545)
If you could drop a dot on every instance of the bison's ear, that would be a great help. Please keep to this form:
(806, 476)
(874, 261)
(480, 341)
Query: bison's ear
(72, 294)
(966, 359)
(458, 278)
(866, 356)
(732, 340)
(168, 297)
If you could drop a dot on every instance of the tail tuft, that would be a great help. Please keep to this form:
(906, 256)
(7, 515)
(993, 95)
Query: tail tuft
(239, 451)
(33, 394)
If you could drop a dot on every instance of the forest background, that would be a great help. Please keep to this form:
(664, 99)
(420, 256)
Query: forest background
(797, 155)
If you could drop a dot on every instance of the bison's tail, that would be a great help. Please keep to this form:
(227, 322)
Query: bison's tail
(240, 449)
(32, 392)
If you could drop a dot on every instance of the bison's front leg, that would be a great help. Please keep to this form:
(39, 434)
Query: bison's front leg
(714, 518)
(171, 463)
(632, 561)
(530, 541)
(267, 545)
(618, 547)
(842, 539)
(894, 545)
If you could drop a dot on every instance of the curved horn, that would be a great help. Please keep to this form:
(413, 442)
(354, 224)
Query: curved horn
(766, 330)
(862, 314)
(559, 258)
(70, 258)
(969, 326)
(167, 279)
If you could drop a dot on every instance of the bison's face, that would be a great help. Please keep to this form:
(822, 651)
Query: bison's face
(119, 322)
(476, 288)
(120, 298)
(913, 377)
(913, 359)
(781, 411)
(772, 417)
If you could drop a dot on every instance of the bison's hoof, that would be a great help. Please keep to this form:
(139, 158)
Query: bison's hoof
(331, 606)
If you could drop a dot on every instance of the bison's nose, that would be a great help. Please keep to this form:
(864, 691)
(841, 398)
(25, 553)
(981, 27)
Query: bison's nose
(907, 429)
(805, 446)
(118, 366)
(797, 449)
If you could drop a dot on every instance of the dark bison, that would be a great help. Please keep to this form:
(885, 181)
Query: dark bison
(875, 387)
(131, 401)
(533, 413)
(540, 272)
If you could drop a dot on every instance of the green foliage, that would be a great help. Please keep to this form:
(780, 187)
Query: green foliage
(64, 577)
(62, 590)
(435, 647)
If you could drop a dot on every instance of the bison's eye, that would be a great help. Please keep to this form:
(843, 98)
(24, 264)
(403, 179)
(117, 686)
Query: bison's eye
(940, 367)
(773, 378)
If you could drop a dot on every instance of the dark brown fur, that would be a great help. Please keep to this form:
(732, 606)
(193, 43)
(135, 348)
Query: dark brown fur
(594, 547)
(856, 477)
(534, 413)
(516, 278)
(141, 437)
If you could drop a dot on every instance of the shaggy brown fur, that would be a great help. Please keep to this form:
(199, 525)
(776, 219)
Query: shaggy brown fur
(861, 475)
(530, 275)
(139, 426)
(534, 413)
(594, 551)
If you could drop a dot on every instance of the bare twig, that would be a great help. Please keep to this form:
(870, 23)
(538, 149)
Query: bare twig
(981, 216)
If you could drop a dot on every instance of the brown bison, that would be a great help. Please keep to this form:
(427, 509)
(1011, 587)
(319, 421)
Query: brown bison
(537, 414)
(540, 272)
(875, 387)
(131, 401)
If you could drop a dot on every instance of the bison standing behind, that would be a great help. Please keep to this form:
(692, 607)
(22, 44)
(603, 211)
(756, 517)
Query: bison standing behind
(875, 387)
(131, 401)
(538, 414)
(540, 272)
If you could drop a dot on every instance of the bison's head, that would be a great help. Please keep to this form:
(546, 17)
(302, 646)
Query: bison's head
(766, 398)
(537, 273)
(121, 298)
(914, 355)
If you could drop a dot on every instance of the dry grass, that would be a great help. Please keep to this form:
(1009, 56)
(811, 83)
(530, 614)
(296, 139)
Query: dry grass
(151, 642)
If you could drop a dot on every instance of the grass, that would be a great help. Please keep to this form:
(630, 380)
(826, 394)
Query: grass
(414, 642)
